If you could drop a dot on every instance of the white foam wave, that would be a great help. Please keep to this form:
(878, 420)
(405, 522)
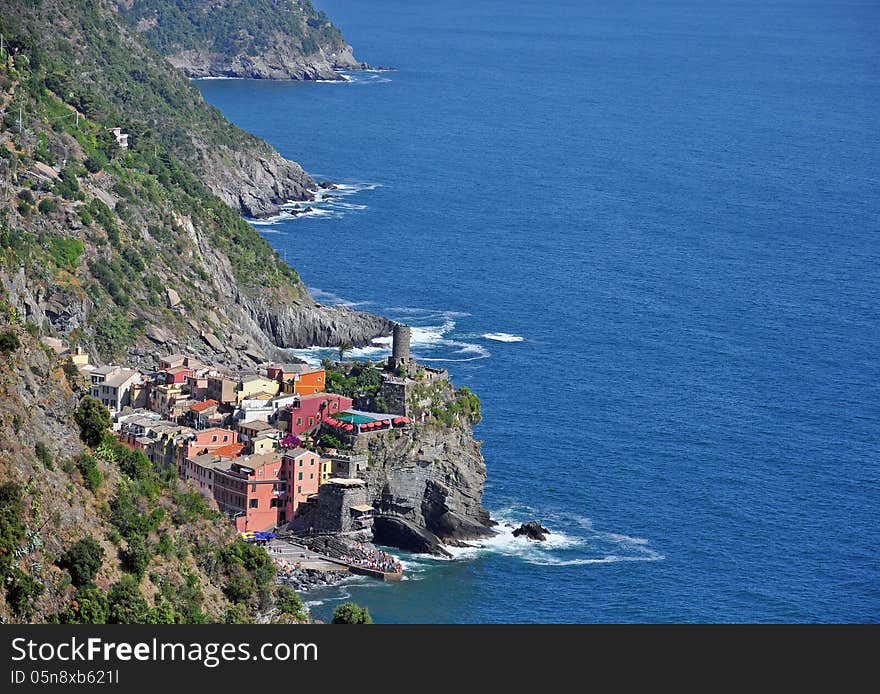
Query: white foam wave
(366, 77)
(503, 337)
(591, 547)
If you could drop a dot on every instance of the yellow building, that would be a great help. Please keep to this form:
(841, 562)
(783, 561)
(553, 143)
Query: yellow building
(252, 385)
(326, 470)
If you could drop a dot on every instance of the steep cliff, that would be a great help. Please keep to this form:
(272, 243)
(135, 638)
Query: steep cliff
(98, 64)
(132, 247)
(262, 39)
(56, 492)
(427, 483)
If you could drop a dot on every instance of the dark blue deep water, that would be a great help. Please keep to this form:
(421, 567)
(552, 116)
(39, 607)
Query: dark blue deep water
(675, 206)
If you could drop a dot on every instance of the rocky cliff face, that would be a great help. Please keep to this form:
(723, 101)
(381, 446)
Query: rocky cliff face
(255, 182)
(281, 61)
(427, 483)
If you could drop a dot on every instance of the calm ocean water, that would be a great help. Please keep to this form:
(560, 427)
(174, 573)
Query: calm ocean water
(647, 235)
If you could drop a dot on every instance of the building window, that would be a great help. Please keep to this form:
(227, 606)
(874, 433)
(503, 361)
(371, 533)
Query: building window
(299, 421)
(300, 476)
(299, 490)
(214, 438)
(275, 472)
(311, 421)
(260, 472)
(300, 463)
(312, 463)
(254, 503)
(225, 438)
(311, 475)
(253, 487)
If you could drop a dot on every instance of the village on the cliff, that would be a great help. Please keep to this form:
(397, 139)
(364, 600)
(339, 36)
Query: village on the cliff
(256, 443)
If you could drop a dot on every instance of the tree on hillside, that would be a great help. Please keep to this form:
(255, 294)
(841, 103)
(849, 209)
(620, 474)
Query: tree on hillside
(83, 560)
(93, 420)
(351, 613)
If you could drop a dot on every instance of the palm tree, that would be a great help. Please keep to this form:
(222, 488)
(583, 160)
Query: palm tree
(343, 348)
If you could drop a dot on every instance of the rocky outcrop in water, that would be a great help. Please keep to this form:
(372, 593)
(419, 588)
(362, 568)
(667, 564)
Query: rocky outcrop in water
(533, 530)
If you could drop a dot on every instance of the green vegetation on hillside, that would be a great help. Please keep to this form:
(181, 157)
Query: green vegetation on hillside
(71, 87)
(229, 28)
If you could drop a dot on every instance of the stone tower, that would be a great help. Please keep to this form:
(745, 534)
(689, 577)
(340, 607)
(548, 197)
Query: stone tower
(400, 355)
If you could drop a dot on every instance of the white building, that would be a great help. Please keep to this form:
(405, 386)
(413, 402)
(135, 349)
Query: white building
(112, 386)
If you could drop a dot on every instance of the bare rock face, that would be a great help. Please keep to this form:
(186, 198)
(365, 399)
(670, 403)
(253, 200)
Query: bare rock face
(256, 185)
(279, 61)
(309, 324)
(427, 484)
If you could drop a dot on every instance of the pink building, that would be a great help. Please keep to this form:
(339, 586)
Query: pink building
(210, 440)
(301, 469)
(307, 412)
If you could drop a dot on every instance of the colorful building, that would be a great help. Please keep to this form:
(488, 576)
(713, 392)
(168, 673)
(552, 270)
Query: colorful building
(211, 440)
(249, 386)
(307, 412)
(299, 379)
(301, 469)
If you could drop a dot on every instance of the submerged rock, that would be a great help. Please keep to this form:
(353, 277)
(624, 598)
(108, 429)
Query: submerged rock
(533, 530)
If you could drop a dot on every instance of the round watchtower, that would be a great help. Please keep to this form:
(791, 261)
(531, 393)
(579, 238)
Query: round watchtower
(400, 344)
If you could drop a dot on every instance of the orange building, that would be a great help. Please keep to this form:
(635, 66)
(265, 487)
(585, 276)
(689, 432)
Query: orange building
(299, 379)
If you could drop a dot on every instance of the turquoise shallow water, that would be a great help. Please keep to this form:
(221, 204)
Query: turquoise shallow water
(657, 222)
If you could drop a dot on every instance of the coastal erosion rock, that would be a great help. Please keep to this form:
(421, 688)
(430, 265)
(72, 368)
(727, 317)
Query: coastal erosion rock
(429, 478)
(255, 185)
(533, 530)
(406, 535)
(307, 325)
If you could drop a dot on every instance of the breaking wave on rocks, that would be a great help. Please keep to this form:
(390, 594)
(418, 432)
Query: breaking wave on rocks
(433, 336)
(328, 203)
(572, 541)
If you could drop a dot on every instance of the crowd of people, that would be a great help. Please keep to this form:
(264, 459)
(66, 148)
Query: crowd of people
(373, 559)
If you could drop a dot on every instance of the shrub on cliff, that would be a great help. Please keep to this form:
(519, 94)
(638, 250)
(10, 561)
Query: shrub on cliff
(83, 560)
(290, 604)
(43, 455)
(127, 605)
(88, 468)
(89, 606)
(136, 556)
(93, 420)
(12, 528)
(248, 569)
(21, 591)
(351, 613)
(9, 342)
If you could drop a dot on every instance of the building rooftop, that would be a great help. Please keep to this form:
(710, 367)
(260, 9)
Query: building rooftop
(323, 396)
(255, 425)
(291, 368)
(210, 460)
(204, 405)
(297, 452)
(120, 377)
(254, 377)
(346, 482)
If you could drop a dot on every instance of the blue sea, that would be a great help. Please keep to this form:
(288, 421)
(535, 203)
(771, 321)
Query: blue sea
(648, 235)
